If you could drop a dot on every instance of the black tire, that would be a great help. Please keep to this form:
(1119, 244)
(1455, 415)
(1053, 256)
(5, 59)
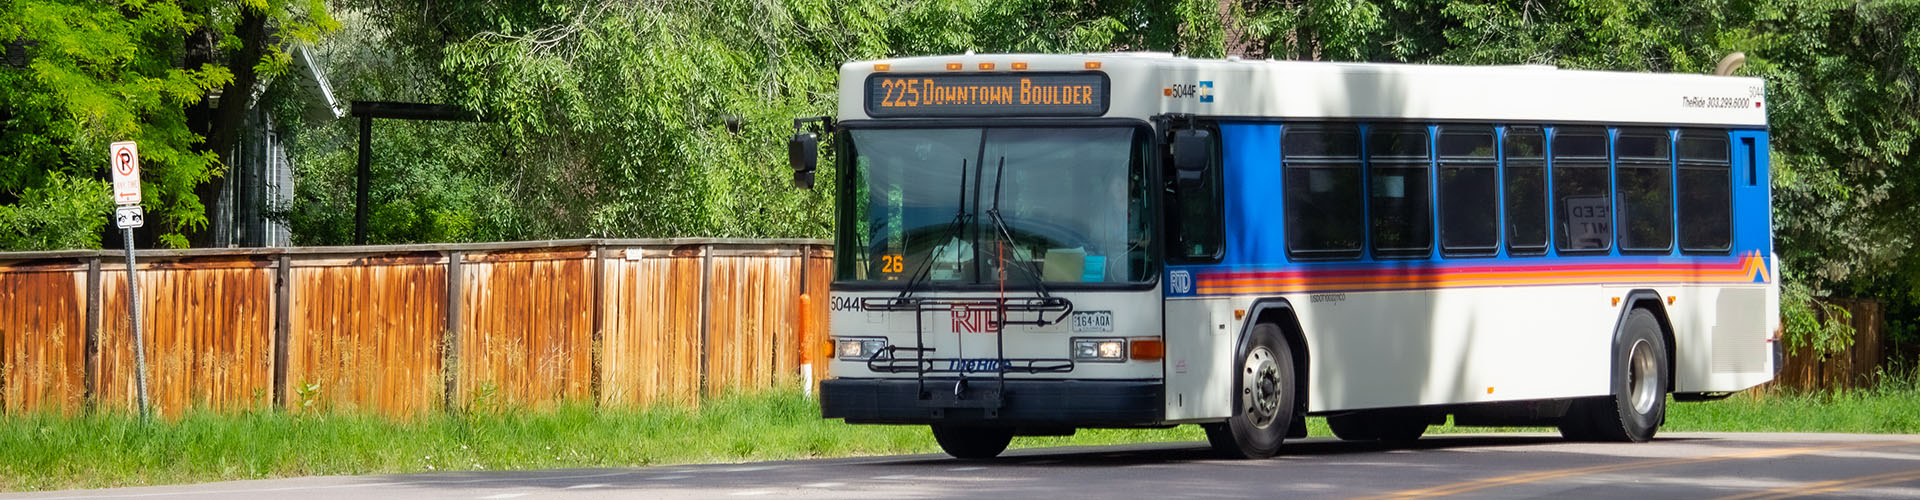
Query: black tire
(1577, 424)
(972, 443)
(1638, 405)
(1400, 429)
(1378, 425)
(1265, 392)
(1352, 427)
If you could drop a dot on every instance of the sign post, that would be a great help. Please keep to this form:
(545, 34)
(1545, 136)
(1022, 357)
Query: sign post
(123, 159)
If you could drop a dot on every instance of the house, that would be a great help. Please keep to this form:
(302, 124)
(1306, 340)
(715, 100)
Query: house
(258, 185)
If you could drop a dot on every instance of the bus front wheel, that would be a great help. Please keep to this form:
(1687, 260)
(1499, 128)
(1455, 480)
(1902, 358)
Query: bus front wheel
(971, 442)
(1264, 390)
(1639, 401)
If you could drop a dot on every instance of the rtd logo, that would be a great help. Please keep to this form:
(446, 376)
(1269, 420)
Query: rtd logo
(974, 320)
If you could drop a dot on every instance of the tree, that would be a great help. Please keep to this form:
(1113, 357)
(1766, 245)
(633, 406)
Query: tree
(82, 74)
(621, 120)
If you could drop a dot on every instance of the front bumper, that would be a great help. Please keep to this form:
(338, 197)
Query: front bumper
(1070, 403)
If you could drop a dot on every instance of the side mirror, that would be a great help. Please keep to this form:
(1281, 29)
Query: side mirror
(1192, 154)
(803, 154)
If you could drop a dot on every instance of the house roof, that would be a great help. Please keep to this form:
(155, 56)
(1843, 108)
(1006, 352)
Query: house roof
(309, 76)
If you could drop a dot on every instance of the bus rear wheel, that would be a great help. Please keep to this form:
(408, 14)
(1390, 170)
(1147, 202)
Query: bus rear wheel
(1265, 392)
(972, 442)
(1638, 404)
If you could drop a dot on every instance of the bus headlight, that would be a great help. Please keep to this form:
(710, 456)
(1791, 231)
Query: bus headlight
(1099, 349)
(858, 348)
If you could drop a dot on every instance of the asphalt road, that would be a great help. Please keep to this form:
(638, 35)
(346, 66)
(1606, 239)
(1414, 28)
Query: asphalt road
(1682, 465)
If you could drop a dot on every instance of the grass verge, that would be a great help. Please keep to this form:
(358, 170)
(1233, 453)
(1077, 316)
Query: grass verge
(39, 452)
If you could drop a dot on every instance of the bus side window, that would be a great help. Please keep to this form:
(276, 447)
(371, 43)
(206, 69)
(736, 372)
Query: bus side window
(1525, 151)
(1397, 198)
(1194, 218)
(1645, 190)
(1705, 192)
(1583, 205)
(1321, 173)
(1469, 192)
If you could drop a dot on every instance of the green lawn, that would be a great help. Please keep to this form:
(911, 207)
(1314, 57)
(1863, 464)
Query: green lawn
(40, 452)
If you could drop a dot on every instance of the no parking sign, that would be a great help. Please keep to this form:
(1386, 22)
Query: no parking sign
(123, 158)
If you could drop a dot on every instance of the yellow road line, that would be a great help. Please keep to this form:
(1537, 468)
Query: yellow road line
(1830, 486)
(1481, 484)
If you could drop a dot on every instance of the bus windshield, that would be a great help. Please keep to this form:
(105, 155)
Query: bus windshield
(1074, 201)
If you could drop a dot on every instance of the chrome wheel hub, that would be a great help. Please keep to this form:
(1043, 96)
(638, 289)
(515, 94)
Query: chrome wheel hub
(1643, 383)
(1260, 386)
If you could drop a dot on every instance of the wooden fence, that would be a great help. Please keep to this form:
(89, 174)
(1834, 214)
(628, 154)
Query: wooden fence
(401, 330)
(1854, 367)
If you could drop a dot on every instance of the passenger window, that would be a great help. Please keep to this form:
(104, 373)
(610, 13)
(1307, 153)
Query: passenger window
(1705, 192)
(1397, 173)
(1644, 171)
(1583, 208)
(1526, 190)
(1469, 192)
(1197, 227)
(1321, 169)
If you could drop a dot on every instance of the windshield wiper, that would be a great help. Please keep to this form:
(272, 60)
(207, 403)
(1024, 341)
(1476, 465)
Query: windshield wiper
(955, 229)
(1006, 235)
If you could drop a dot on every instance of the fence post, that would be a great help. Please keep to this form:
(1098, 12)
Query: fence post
(450, 340)
(706, 309)
(90, 394)
(803, 337)
(594, 353)
(282, 327)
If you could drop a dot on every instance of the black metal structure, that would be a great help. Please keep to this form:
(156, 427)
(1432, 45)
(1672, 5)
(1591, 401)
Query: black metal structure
(367, 111)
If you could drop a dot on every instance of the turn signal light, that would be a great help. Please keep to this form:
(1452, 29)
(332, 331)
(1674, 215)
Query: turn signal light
(858, 348)
(1147, 349)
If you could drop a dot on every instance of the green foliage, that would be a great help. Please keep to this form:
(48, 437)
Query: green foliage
(1845, 83)
(97, 76)
(613, 120)
(98, 72)
(1810, 323)
(64, 213)
(43, 452)
(1892, 406)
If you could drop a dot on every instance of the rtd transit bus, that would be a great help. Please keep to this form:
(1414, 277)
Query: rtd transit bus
(1032, 244)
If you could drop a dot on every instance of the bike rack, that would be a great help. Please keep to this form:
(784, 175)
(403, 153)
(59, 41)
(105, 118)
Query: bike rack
(921, 365)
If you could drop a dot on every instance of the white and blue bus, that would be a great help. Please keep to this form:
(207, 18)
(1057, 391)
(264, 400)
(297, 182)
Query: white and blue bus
(1032, 244)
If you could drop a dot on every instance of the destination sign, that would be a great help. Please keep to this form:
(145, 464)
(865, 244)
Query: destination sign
(978, 95)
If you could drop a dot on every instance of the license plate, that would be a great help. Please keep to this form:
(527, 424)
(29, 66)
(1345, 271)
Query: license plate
(1092, 322)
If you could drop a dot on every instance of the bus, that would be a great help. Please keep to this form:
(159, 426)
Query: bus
(1032, 244)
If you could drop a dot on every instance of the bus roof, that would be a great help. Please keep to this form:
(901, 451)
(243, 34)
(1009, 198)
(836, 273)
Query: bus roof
(1144, 84)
